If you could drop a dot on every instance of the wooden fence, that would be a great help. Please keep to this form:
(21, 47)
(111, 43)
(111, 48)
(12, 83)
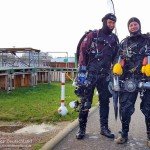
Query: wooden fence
(10, 78)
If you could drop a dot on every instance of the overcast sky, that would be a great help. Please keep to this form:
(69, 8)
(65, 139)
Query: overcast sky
(57, 25)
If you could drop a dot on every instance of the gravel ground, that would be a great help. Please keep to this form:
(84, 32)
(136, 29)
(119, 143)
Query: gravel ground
(13, 141)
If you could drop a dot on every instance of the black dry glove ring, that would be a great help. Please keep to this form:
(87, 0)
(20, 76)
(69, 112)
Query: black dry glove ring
(87, 105)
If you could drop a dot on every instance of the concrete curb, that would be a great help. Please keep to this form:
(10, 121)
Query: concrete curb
(62, 134)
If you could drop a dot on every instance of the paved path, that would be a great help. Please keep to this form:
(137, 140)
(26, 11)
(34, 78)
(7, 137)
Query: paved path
(95, 141)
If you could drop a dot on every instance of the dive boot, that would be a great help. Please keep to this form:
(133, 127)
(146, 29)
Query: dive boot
(148, 143)
(148, 139)
(82, 128)
(106, 132)
(80, 134)
(122, 139)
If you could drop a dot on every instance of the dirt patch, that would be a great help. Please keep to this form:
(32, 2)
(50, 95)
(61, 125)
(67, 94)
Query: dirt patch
(10, 129)
(26, 141)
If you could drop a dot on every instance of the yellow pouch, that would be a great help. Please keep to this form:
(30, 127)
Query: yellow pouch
(117, 69)
(147, 70)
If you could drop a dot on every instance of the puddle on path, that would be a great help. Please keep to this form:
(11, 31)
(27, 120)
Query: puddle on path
(36, 129)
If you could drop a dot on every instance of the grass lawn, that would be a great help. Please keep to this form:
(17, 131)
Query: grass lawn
(37, 104)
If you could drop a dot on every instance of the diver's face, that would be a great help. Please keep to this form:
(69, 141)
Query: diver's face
(134, 27)
(111, 24)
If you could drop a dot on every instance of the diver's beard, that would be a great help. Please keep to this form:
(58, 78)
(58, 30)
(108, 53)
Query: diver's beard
(106, 29)
(138, 32)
